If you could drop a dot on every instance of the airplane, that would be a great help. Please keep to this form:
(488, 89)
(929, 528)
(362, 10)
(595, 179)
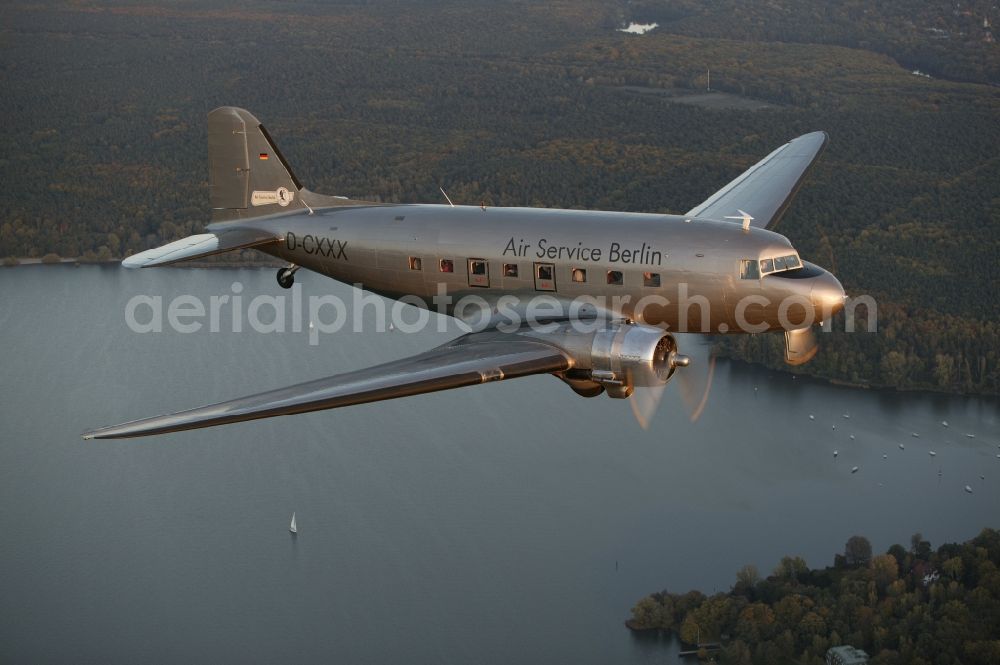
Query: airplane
(633, 278)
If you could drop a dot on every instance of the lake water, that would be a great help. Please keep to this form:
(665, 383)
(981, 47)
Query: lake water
(508, 522)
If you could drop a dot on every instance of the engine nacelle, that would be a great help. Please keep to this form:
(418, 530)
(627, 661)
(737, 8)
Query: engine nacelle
(617, 358)
(625, 356)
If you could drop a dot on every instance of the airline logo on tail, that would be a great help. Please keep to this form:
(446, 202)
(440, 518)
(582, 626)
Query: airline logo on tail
(282, 196)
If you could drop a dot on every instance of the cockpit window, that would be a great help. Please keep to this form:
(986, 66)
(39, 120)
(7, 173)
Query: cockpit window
(748, 269)
(780, 263)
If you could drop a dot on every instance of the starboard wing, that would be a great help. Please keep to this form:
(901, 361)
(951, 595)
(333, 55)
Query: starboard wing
(463, 362)
(766, 188)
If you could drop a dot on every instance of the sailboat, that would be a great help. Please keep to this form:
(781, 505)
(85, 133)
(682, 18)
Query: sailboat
(292, 527)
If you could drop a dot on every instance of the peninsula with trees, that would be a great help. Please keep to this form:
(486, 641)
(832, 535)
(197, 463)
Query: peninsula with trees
(916, 606)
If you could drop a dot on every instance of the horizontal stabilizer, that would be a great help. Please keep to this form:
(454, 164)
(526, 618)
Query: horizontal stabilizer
(199, 246)
(766, 188)
(463, 362)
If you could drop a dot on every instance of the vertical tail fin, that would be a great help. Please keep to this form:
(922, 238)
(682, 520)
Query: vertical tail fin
(248, 175)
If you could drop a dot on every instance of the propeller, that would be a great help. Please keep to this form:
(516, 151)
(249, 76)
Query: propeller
(696, 386)
(693, 374)
(644, 402)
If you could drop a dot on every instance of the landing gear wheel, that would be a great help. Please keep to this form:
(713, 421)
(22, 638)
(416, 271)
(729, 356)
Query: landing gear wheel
(286, 277)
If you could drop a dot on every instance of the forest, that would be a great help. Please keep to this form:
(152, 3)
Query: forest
(946, 38)
(913, 606)
(524, 102)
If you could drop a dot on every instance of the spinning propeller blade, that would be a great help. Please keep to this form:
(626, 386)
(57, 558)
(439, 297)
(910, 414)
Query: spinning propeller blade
(694, 372)
(695, 386)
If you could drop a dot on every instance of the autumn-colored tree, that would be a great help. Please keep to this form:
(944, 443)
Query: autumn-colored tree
(953, 567)
(690, 631)
(791, 567)
(885, 569)
(858, 551)
(746, 579)
(646, 614)
(756, 623)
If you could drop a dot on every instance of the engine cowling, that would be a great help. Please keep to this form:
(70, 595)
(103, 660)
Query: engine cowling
(627, 356)
(617, 358)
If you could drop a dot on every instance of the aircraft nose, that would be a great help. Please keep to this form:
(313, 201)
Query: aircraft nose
(827, 295)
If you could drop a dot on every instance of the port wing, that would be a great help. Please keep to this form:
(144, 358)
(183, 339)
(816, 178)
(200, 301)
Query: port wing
(766, 188)
(467, 361)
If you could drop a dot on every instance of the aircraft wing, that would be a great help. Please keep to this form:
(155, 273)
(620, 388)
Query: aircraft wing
(466, 361)
(766, 188)
(199, 246)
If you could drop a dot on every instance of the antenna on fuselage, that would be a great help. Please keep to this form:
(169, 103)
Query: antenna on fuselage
(447, 198)
(745, 217)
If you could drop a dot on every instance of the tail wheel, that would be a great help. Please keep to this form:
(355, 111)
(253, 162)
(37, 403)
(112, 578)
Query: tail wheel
(286, 278)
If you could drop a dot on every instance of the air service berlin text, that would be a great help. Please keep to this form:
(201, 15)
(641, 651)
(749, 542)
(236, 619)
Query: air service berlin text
(642, 254)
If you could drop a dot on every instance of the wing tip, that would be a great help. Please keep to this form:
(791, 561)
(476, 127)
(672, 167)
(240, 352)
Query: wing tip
(120, 431)
(811, 136)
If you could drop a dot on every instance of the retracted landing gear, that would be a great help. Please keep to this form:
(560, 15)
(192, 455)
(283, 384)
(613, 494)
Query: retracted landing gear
(286, 276)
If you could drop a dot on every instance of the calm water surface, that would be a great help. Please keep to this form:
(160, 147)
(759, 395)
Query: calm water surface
(509, 522)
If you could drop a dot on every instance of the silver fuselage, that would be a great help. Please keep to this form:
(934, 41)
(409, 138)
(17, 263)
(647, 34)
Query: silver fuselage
(399, 250)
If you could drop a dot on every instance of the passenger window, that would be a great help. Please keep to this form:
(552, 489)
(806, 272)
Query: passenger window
(748, 269)
(545, 279)
(651, 279)
(766, 265)
(479, 274)
(446, 265)
(415, 263)
(579, 275)
(615, 277)
(510, 270)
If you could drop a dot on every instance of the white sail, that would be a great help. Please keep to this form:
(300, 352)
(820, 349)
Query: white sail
(292, 526)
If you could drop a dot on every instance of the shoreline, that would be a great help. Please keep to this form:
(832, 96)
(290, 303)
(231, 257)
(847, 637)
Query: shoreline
(852, 385)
